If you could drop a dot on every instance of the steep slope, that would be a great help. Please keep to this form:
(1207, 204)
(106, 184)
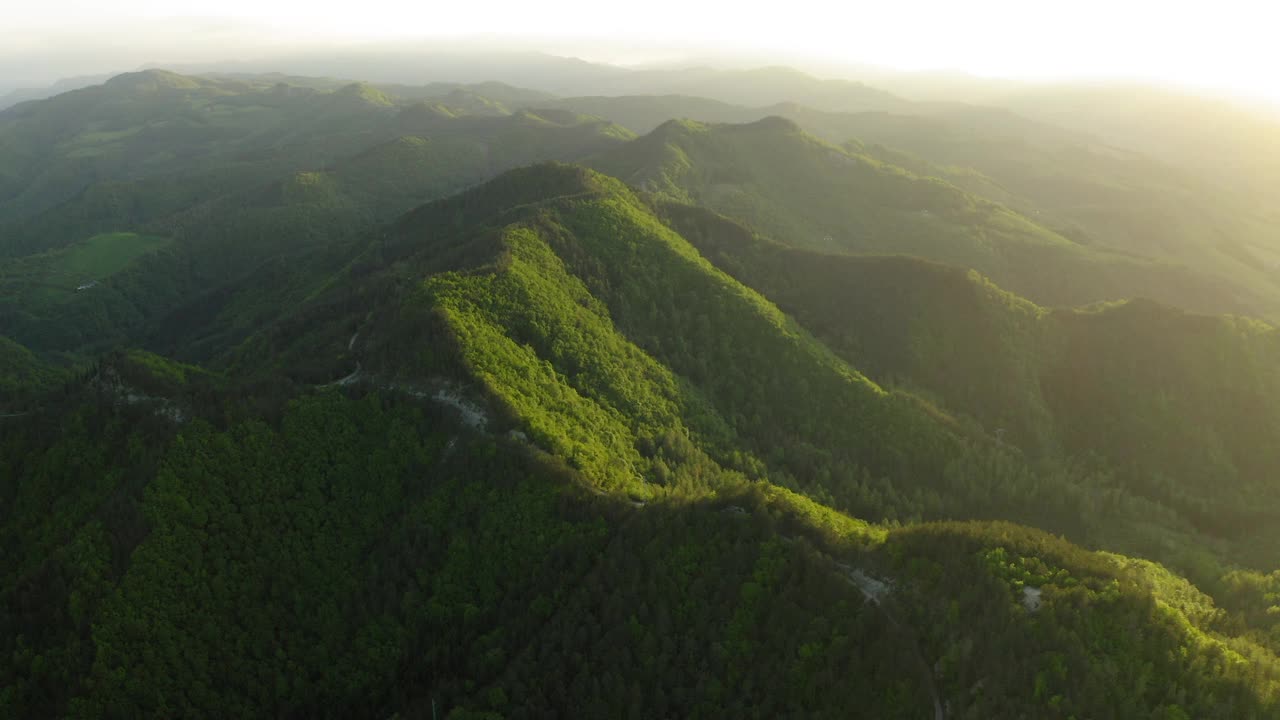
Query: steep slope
(549, 487)
(583, 266)
(772, 176)
(155, 123)
(148, 144)
(939, 330)
(1236, 145)
(1085, 189)
(23, 377)
(286, 215)
(1180, 407)
(1094, 193)
(493, 573)
(1190, 400)
(695, 352)
(22, 95)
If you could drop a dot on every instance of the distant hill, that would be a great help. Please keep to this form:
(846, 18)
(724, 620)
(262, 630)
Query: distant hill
(324, 398)
(806, 193)
(643, 114)
(231, 173)
(1182, 407)
(1236, 147)
(755, 87)
(1092, 192)
(550, 427)
(231, 131)
(21, 95)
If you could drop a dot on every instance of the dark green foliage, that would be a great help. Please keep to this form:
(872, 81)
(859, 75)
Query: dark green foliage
(289, 570)
(1187, 404)
(243, 174)
(553, 447)
(1182, 407)
(931, 328)
(1100, 641)
(595, 286)
(23, 376)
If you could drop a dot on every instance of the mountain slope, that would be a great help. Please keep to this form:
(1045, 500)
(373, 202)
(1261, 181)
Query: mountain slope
(808, 194)
(146, 145)
(1099, 194)
(580, 264)
(23, 377)
(1234, 144)
(1092, 192)
(562, 439)
(284, 210)
(1180, 406)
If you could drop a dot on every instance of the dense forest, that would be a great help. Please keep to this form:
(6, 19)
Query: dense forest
(332, 399)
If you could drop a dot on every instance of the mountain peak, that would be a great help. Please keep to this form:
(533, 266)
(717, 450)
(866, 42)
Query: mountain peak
(546, 181)
(365, 92)
(678, 126)
(522, 186)
(151, 81)
(773, 123)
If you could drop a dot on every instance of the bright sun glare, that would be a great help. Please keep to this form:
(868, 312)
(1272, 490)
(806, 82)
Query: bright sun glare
(1226, 45)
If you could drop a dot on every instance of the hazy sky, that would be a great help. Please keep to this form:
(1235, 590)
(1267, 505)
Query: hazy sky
(1230, 45)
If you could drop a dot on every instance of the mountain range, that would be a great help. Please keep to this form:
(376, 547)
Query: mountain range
(739, 394)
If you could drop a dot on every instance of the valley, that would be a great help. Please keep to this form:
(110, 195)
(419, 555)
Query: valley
(323, 398)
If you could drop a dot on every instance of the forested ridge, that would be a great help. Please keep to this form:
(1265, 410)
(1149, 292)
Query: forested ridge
(1180, 406)
(425, 430)
(776, 177)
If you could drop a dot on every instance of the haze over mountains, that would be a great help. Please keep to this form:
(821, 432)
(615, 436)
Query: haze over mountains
(531, 387)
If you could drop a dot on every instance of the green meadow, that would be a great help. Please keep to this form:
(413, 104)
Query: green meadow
(53, 276)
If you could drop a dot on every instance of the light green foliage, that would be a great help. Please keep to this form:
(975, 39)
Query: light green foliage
(713, 475)
(590, 291)
(572, 412)
(1086, 654)
(104, 255)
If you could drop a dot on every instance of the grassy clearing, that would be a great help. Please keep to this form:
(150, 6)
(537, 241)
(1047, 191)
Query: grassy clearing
(53, 276)
(104, 255)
